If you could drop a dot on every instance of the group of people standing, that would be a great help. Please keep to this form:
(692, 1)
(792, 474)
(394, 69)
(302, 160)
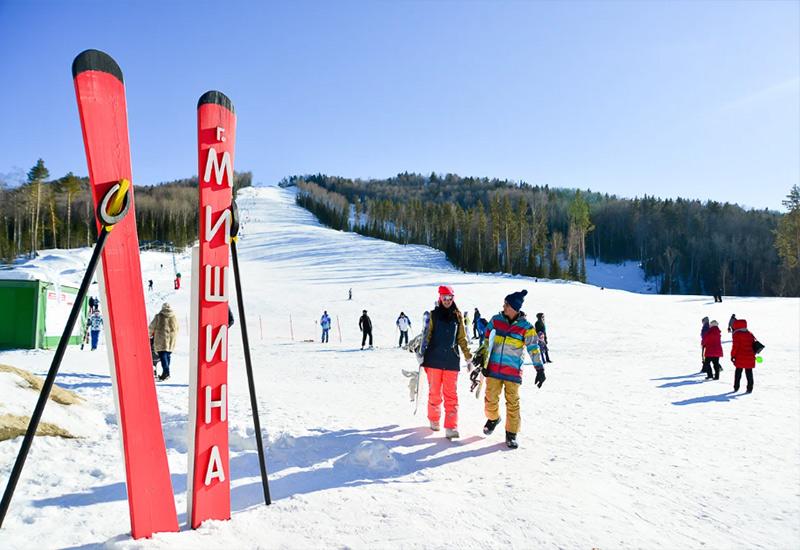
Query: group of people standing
(744, 349)
(445, 334)
(364, 325)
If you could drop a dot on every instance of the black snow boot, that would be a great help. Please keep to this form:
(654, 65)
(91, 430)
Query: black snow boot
(716, 372)
(490, 425)
(511, 440)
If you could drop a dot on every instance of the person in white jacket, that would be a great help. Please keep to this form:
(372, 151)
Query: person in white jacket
(403, 323)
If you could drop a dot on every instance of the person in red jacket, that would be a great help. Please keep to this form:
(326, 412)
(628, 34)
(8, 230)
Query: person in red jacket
(712, 351)
(742, 355)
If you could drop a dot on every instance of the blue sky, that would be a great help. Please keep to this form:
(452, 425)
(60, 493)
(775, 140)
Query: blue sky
(691, 99)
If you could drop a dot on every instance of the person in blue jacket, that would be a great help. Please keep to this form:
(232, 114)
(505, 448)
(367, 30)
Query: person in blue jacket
(325, 323)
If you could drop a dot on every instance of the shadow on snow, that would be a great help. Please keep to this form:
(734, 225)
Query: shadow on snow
(306, 452)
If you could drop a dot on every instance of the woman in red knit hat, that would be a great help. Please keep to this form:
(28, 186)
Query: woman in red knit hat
(444, 335)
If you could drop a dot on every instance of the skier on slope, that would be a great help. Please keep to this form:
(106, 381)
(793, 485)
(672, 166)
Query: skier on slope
(444, 335)
(712, 351)
(365, 326)
(164, 331)
(403, 324)
(325, 323)
(513, 335)
(742, 354)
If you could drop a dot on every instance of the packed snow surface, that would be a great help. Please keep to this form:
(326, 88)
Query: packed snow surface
(624, 446)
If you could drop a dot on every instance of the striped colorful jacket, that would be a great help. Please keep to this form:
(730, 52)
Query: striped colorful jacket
(510, 341)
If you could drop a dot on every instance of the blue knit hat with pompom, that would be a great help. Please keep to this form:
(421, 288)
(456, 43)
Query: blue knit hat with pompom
(515, 299)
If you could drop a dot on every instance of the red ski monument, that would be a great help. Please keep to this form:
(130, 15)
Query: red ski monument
(101, 103)
(209, 494)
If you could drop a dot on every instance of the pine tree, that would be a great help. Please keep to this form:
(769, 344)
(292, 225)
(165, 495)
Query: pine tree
(36, 176)
(72, 186)
(787, 243)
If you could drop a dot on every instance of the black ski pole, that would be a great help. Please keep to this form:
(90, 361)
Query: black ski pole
(246, 343)
(108, 224)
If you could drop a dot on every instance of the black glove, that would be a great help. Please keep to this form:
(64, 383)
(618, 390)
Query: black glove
(473, 378)
(540, 377)
(478, 356)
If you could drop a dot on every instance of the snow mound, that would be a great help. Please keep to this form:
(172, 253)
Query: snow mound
(372, 455)
(19, 400)
(284, 441)
(241, 437)
(176, 433)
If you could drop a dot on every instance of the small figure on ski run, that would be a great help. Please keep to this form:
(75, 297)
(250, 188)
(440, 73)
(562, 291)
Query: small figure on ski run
(476, 318)
(403, 323)
(541, 333)
(95, 325)
(466, 322)
(718, 296)
(365, 326)
(743, 356)
(325, 323)
(164, 331)
(482, 322)
(731, 321)
(444, 335)
(712, 350)
(150, 284)
(703, 331)
(94, 304)
(350, 294)
(513, 335)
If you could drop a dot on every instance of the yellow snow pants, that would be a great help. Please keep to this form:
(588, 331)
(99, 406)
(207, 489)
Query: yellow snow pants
(492, 402)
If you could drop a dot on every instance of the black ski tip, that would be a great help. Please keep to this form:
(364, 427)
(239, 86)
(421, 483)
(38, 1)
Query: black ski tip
(95, 60)
(215, 97)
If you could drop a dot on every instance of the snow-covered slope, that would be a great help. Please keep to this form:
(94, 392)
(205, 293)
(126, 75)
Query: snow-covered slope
(625, 446)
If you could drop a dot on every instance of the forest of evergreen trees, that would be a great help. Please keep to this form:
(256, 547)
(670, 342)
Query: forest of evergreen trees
(57, 213)
(491, 225)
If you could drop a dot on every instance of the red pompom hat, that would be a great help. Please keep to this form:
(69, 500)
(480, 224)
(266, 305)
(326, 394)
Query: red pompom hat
(446, 289)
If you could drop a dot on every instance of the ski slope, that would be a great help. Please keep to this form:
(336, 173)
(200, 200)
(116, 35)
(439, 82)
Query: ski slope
(624, 446)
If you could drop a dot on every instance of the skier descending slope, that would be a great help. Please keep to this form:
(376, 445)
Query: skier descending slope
(513, 334)
(444, 335)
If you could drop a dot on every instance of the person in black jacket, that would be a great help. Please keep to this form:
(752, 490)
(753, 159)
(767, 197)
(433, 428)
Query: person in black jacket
(541, 331)
(476, 321)
(365, 325)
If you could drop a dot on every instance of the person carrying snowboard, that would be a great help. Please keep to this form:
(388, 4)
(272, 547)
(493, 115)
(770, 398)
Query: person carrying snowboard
(365, 326)
(444, 335)
(325, 323)
(712, 351)
(513, 335)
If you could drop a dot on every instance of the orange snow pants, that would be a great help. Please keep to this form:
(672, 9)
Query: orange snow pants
(442, 383)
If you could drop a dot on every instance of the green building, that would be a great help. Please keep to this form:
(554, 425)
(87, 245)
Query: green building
(33, 314)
